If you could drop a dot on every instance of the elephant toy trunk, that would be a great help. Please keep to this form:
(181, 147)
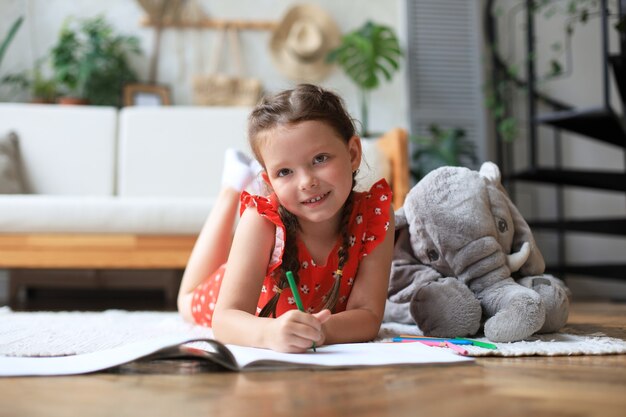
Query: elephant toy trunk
(480, 264)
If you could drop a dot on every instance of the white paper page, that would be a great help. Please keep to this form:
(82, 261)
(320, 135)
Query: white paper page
(85, 363)
(353, 354)
(345, 355)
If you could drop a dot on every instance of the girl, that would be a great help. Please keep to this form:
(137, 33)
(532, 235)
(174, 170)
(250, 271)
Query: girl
(338, 243)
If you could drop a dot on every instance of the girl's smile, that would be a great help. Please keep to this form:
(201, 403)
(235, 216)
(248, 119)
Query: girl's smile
(316, 199)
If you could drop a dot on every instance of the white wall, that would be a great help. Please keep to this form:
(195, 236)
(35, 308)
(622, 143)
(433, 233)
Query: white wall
(186, 52)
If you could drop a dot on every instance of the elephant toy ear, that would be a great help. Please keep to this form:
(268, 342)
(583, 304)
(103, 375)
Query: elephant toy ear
(490, 172)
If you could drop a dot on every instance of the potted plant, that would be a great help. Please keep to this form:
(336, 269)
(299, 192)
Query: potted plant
(444, 147)
(43, 89)
(367, 55)
(90, 61)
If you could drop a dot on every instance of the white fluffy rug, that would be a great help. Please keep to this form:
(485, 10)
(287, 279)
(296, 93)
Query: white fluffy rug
(69, 333)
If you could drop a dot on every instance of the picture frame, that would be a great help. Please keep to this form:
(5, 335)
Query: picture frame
(146, 95)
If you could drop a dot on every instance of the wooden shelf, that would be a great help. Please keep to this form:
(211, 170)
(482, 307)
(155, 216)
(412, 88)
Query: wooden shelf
(213, 24)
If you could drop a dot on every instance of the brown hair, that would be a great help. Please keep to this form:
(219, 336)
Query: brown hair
(305, 102)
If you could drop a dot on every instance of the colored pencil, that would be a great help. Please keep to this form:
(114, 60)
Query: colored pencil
(456, 340)
(457, 349)
(296, 295)
(433, 339)
(479, 343)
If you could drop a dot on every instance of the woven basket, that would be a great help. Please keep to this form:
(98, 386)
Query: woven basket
(223, 89)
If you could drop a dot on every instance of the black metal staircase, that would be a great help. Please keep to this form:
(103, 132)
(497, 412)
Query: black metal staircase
(601, 124)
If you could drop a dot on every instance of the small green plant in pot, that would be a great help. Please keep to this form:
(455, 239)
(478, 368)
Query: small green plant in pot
(444, 147)
(367, 55)
(43, 89)
(90, 61)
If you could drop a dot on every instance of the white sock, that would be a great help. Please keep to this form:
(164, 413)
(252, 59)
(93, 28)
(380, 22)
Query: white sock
(257, 186)
(256, 168)
(237, 172)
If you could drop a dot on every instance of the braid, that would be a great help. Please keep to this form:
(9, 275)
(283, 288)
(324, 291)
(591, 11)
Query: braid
(290, 261)
(343, 254)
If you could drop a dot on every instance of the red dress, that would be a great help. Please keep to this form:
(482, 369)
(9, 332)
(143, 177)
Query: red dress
(369, 222)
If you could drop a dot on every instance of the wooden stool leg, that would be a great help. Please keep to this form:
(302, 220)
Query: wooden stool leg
(14, 289)
(171, 290)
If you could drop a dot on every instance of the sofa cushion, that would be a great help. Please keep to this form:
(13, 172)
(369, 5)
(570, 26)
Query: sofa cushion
(67, 150)
(10, 174)
(177, 151)
(102, 214)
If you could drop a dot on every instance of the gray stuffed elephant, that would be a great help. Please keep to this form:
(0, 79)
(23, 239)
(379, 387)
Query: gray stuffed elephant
(464, 256)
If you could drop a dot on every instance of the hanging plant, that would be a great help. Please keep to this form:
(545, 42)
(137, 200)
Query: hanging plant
(500, 95)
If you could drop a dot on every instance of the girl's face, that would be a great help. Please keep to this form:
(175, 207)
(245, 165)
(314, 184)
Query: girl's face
(310, 167)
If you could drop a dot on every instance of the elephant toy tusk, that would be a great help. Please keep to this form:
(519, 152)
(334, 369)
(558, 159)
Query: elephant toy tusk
(517, 259)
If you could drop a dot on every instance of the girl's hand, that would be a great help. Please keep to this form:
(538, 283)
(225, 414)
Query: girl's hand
(295, 331)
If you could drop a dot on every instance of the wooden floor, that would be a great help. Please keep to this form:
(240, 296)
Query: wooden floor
(529, 387)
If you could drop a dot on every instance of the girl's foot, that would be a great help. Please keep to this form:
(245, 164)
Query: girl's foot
(257, 186)
(237, 171)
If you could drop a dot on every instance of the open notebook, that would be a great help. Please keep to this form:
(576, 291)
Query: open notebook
(235, 358)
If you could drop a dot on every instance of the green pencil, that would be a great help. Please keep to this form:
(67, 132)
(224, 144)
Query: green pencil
(296, 295)
(478, 343)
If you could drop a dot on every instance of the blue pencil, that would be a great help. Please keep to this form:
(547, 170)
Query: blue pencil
(431, 339)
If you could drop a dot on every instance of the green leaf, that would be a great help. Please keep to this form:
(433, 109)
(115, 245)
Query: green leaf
(571, 7)
(555, 68)
(90, 60)
(584, 16)
(9, 37)
(368, 55)
(621, 24)
(441, 147)
(507, 129)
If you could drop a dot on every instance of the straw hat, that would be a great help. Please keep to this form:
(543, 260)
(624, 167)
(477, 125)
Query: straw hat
(301, 41)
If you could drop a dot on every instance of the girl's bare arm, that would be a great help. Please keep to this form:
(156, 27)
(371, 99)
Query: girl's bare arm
(234, 319)
(364, 312)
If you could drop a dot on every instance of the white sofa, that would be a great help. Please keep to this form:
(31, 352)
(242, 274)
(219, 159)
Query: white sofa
(94, 170)
(108, 190)
(128, 189)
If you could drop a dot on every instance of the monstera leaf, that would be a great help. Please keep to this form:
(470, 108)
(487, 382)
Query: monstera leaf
(367, 55)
